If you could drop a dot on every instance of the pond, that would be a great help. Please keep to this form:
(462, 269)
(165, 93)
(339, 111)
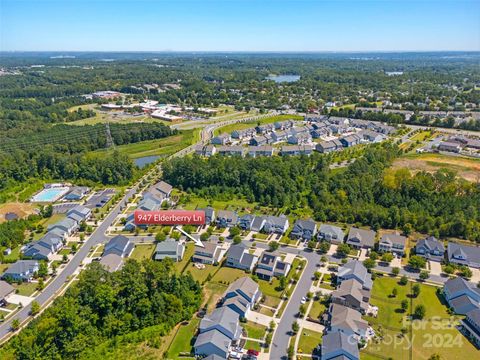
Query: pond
(145, 160)
(283, 78)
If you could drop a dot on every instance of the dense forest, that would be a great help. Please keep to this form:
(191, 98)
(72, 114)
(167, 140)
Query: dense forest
(368, 192)
(102, 306)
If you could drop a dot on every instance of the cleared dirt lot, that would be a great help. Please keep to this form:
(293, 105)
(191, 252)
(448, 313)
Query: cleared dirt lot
(467, 168)
(21, 209)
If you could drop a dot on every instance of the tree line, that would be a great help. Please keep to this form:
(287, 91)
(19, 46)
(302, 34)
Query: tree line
(368, 192)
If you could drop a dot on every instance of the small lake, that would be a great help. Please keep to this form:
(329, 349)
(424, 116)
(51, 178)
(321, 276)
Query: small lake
(283, 78)
(145, 160)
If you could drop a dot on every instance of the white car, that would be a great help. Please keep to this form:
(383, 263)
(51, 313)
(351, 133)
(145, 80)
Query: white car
(304, 300)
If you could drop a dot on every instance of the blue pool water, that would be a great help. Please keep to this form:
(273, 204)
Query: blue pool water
(50, 195)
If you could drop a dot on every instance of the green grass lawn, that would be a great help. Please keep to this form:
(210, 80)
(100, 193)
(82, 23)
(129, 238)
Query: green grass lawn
(317, 309)
(269, 288)
(227, 275)
(201, 274)
(212, 292)
(14, 255)
(308, 341)
(143, 251)
(183, 340)
(436, 334)
(26, 289)
(254, 345)
(64, 252)
(189, 250)
(254, 331)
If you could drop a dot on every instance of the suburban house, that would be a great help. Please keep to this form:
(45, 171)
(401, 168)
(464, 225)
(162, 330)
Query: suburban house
(77, 193)
(221, 139)
(297, 150)
(231, 150)
(350, 293)
(209, 215)
(212, 342)
(226, 218)
(258, 141)
(329, 146)
(275, 224)
(270, 265)
(119, 245)
(350, 140)
(239, 257)
(282, 125)
(65, 226)
(299, 139)
(245, 221)
(211, 254)
(330, 233)
(242, 134)
(346, 320)
(242, 295)
(354, 269)
(43, 249)
(169, 249)
(394, 243)
(263, 129)
(279, 136)
(471, 326)
(22, 270)
(224, 320)
(361, 238)
(430, 248)
(258, 223)
(5, 290)
(112, 262)
(462, 295)
(205, 150)
(79, 213)
(371, 136)
(162, 190)
(463, 254)
(304, 229)
(265, 150)
(338, 346)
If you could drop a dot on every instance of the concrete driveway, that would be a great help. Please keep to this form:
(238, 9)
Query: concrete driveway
(20, 299)
(435, 268)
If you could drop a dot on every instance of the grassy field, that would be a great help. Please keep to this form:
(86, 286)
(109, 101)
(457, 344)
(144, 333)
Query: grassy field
(435, 334)
(212, 292)
(234, 204)
(254, 331)
(467, 168)
(159, 147)
(246, 125)
(308, 341)
(201, 274)
(143, 251)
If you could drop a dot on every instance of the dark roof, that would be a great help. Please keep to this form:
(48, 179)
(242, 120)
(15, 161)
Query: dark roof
(431, 243)
(120, 245)
(470, 253)
(268, 259)
(236, 251)
(366, 237)
(5, 289)
(334, 341)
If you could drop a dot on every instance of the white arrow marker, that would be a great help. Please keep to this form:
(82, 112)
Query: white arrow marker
(197, 242)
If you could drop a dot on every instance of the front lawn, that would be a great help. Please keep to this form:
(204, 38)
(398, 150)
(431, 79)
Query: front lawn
(26, 288)
(317, 309)
(254, 345)
(308, 341)
(254, 331)
(227, 275)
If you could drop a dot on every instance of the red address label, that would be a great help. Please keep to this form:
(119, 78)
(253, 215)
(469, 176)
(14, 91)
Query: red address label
(169, 217)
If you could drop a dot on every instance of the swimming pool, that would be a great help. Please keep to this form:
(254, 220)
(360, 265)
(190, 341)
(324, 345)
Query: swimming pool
(50, 194)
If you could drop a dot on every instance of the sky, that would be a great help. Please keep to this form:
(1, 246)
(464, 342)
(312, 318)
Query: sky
(239, 25)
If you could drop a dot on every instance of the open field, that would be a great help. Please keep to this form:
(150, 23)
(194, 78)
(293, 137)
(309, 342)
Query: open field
(227, 275)
(160, 147)
(467, 168)
(182, 342)
(246, 125)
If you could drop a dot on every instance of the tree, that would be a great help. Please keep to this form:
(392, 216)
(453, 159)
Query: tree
(395, 271)
(415, 290)
(273, 246)
(465, 272)
(394, 292)
(65, 258)
(43, 269)
(343, 250)
(15, 325)
(403, 280)
(295, 327)
(317, 275)
(311, 244)
(373, 255)
(73, 248)
(404, 305)
(302, 310)
(234, 231)
(416, 262)
(291, 352)
(324, 247)
(369, 264)
(160, 236)
(419, 312)
(204, 236)
(424, 275)
(282, 282)
(237, 239)
(35, 308)
(448, 269)
(387, 257)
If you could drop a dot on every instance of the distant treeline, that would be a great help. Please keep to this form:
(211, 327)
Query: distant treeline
(367, 192)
